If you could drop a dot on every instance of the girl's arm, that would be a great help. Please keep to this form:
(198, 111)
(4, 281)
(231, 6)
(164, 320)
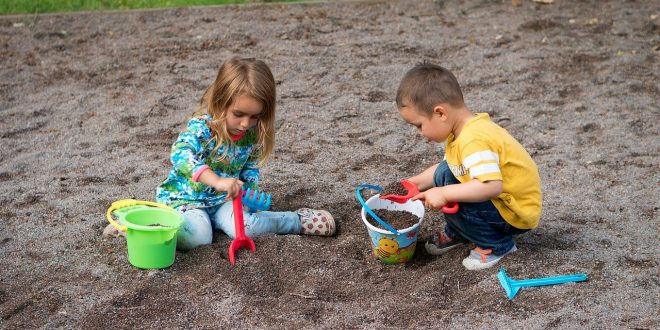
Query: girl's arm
(230, 185)
(471, 191)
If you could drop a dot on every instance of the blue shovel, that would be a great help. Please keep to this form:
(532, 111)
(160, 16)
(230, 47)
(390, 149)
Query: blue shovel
(512, 286)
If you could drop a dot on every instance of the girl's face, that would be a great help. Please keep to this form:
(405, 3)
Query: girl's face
(243, 114)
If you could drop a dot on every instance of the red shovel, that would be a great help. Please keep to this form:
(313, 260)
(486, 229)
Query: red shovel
(241, 239)
(450, 207)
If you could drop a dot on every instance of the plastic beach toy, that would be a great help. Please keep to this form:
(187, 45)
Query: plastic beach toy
(150, 229)
(241, 240)
(450, 208)
(255, 200)
(512, 286)
(390, 245)
(368, 210)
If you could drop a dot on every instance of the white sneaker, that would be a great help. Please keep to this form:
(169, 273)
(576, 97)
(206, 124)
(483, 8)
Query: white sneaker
(482, 259)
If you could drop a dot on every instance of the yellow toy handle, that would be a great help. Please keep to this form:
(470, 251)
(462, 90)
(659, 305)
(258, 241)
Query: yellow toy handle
(120, 204)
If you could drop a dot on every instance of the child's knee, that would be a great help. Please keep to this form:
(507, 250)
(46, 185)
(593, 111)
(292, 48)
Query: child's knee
(454, 220)
(443, 175)
(190, 236)
(195, 231)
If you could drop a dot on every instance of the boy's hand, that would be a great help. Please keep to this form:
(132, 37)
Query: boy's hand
(433, 198)
(230, 185)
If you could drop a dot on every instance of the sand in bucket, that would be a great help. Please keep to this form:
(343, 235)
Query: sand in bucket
(386, 245)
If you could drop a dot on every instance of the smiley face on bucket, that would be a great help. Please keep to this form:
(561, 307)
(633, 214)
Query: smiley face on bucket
(387, 247)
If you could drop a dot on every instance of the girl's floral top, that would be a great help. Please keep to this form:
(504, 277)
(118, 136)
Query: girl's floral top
(192, 153)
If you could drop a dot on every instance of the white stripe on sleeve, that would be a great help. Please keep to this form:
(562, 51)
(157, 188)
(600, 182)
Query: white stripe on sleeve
(480, 156)
(484, 169)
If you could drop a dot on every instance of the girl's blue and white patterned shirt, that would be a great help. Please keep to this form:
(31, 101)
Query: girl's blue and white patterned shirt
(193, 152)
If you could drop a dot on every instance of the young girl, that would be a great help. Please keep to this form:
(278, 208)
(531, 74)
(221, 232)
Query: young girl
(228, 138)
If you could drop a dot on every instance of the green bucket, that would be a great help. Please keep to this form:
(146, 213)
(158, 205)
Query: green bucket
(150, 232)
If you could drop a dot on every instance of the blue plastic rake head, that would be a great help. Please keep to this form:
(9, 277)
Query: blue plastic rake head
(511, 286)
(255, 200)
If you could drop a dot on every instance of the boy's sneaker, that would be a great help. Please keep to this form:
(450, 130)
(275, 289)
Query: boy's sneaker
(441, 243)
(482, 259)
(316, 222)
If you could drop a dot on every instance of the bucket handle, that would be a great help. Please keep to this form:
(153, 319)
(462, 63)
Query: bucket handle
(371, 213)
(120, 204)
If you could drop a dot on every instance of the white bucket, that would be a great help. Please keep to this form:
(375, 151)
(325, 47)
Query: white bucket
(388, 246)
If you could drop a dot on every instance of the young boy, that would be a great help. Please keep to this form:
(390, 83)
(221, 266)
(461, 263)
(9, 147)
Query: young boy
(491, 176)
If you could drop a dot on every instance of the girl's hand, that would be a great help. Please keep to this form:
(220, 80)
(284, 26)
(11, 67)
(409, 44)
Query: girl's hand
(230, 185)
(433, 198)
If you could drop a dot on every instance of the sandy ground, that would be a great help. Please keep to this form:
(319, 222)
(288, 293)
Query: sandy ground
(91, 102)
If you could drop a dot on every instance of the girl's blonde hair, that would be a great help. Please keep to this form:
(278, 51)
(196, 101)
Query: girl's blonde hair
(241, 77)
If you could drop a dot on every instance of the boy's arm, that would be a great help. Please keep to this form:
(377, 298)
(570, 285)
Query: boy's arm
(424, 180)
(471, 191)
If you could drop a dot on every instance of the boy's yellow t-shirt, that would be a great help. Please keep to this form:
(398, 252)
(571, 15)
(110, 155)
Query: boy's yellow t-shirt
(486, 151)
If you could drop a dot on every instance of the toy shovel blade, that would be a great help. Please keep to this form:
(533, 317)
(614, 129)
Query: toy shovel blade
(241, 239)
(237, 244)
(411, 188)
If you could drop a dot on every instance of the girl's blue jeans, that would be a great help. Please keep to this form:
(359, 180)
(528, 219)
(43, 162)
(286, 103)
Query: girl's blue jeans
(198, 224)
(479, 223)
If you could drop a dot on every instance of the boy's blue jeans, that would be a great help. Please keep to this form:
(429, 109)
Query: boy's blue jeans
(198, 224)
(479, 223)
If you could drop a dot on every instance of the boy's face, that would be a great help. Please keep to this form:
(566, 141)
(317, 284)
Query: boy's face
(434, 128)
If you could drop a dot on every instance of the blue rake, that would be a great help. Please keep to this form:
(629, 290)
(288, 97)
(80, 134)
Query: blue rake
(255, 200)
(512, 286)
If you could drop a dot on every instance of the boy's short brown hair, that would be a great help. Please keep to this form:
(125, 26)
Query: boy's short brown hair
(427, 85)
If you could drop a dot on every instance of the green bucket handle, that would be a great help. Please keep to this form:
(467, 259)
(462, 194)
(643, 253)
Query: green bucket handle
(120, 204)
